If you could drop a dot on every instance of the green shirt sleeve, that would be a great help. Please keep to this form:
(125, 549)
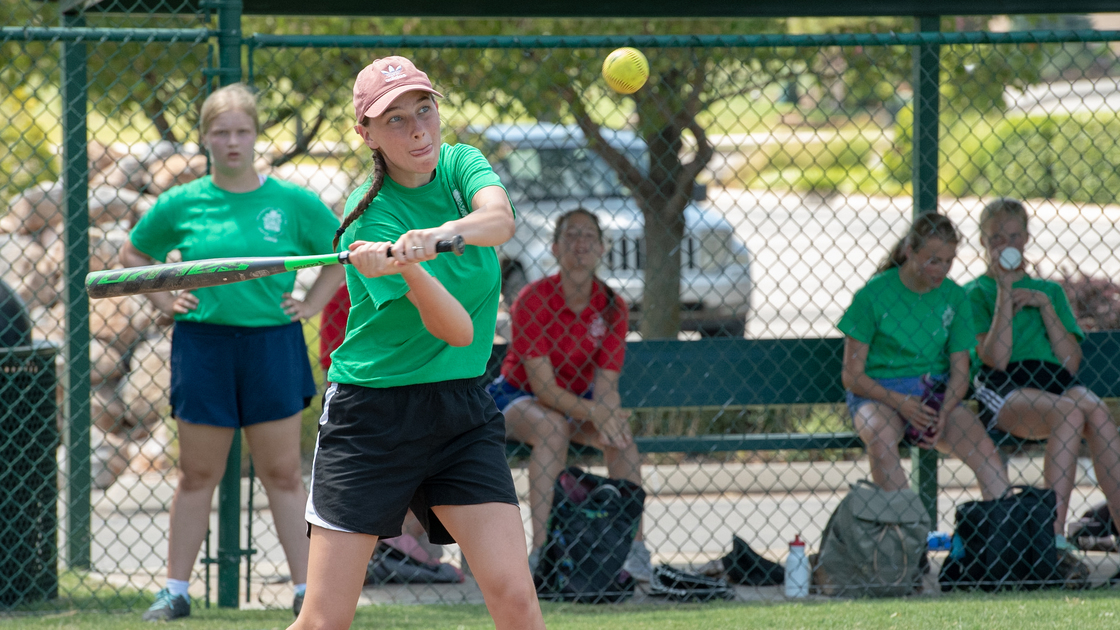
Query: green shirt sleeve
(156, 233)
(858, 322)
(383, 289)
(472, 173)
(318, 224)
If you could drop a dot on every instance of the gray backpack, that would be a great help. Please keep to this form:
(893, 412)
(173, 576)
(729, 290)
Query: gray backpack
(873, 543)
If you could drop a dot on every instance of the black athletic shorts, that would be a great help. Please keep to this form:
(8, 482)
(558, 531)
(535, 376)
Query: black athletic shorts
(383, 450)
(992, 386)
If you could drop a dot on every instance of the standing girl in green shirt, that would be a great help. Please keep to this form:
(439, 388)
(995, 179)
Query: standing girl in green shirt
(1030, 351)
(238, 357)
(908, 334)
(405, 422)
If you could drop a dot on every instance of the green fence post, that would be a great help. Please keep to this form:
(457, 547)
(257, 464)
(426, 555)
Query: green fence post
(229, 527)
(229, 491)
(76, 374)
(927, 104)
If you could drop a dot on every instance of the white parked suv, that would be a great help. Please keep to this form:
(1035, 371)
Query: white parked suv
(549, 170)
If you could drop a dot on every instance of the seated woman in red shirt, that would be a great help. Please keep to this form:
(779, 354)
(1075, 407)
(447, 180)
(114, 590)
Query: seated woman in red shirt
(559, 381)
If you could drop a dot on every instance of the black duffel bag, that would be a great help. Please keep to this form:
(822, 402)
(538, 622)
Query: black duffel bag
(1004, 543)
(590, 528)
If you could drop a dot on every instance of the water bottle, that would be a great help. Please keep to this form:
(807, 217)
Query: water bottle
(797, 569)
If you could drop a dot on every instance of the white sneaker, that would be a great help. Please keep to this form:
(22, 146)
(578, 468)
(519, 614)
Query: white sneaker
(638, 563)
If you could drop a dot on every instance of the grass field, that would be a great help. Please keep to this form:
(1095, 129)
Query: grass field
(1017, 611)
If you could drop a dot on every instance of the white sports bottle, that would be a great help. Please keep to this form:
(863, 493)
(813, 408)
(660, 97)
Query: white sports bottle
(1010, 258)
(797, 569)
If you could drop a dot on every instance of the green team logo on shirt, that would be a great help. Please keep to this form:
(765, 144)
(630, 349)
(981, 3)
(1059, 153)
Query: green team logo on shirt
(270, 222)
(947, 318)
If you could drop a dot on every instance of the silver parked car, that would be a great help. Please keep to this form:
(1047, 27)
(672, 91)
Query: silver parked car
(549, 170)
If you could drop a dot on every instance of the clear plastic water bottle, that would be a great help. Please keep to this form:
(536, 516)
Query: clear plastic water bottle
(797, 569)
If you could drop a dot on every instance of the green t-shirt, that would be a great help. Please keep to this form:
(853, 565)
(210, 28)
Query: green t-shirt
(908, 334)
(203, 221)
(386, 344)
(1028, 332)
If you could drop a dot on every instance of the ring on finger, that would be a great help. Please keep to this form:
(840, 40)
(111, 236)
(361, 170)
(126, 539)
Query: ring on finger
(414, 248)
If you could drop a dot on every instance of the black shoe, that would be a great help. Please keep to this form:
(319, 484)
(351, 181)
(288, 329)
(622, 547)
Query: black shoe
(685, 587)
(744, 566)
(168, 607)
(297, 604)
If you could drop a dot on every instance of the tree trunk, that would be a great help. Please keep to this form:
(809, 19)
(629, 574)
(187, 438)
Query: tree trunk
(661, 301)
(664, 229)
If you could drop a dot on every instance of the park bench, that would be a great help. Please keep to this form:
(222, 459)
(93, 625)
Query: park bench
(721, 372)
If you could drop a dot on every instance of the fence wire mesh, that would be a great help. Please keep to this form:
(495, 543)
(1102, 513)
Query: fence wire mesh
(743, 197)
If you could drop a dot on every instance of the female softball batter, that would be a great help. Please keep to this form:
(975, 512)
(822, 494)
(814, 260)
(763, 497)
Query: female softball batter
(238, 358)
(405, 423)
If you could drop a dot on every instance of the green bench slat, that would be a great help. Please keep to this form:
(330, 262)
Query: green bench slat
(747, 442)
(704, 444)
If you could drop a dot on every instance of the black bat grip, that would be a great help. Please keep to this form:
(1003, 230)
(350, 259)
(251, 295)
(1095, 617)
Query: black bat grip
(455, 245)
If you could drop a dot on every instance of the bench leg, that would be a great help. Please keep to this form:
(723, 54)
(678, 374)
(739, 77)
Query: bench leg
(923, 478)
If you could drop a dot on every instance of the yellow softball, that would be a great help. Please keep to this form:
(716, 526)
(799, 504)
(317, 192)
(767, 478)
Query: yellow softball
(626, 70)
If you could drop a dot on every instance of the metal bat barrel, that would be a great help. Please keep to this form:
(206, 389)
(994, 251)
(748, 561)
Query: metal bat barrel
(193, 274)
(214, 271)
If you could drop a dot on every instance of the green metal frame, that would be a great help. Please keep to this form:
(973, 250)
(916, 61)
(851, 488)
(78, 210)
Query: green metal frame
(229, 489)
(622, 9)
(76, 375)
(927, 126)
(747, 375)
(259, 40)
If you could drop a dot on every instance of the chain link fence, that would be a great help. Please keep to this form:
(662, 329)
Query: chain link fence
(744, 196)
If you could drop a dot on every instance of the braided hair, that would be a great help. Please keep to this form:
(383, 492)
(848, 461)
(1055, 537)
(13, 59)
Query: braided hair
(377, 177)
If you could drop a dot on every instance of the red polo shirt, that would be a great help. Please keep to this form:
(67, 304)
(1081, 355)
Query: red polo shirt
(576, 344)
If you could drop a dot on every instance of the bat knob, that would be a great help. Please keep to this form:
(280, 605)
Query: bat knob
(458, 245)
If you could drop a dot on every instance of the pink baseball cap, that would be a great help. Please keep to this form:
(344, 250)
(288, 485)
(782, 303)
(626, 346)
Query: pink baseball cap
(382, 81)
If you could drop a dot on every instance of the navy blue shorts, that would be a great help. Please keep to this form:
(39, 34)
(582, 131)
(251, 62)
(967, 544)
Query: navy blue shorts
(505, 393)
(236, 376)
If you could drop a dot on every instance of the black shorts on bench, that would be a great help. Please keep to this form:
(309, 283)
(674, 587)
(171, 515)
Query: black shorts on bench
(992, 387)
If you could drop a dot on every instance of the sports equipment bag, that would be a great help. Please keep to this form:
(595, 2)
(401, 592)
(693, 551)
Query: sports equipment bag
(590, 529)
(1004, 543)
(873, 543)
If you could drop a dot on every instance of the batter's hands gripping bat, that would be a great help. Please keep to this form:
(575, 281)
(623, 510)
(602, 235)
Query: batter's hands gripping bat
(214, 271)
